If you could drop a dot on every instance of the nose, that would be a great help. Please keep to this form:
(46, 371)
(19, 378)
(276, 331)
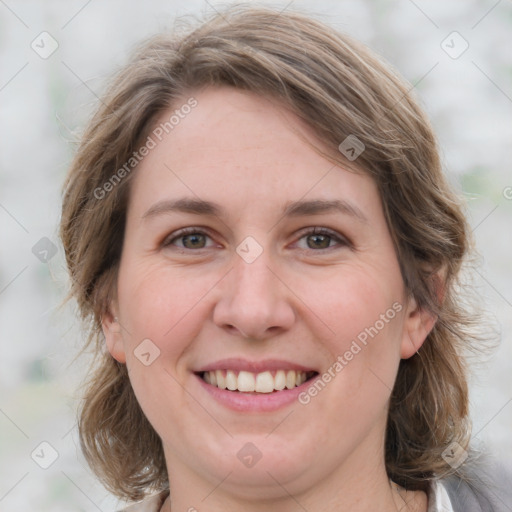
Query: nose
(254, 302)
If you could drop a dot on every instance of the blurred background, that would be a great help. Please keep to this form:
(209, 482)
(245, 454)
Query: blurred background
(54, 59)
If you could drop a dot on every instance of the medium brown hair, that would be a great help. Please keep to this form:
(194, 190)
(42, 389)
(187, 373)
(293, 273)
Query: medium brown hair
(339, 88)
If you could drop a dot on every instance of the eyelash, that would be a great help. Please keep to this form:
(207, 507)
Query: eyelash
(341, 241)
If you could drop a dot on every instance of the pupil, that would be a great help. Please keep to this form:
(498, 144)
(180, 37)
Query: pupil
(321, 241)
(194, 240)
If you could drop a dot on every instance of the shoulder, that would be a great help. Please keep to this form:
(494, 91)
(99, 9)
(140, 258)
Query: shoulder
(483, 486)
(151, 504)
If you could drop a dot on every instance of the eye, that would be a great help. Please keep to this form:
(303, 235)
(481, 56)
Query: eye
(188, 238)
(322, 238)
(315, 239)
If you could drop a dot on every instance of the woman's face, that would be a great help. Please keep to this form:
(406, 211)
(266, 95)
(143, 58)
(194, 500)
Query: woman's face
(249, 296)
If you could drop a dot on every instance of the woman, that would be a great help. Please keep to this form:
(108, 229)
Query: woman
(259, 231)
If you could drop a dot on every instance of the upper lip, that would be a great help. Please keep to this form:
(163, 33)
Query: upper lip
(237, 364)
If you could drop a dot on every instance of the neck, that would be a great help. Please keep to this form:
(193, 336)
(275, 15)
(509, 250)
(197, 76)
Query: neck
(355, 491)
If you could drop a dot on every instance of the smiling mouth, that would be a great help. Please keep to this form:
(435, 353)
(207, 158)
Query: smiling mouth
(263, 382)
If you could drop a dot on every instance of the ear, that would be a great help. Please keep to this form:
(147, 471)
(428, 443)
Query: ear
(418, 324)
(418, 321)
(113, 335)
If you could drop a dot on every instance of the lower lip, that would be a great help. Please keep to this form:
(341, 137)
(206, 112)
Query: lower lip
(257, 402)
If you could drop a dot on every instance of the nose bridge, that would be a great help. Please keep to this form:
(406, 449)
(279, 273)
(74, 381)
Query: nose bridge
(254, 302)
(254, 278)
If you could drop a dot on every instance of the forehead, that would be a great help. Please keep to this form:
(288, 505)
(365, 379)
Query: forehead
(240, 147)
(239, 125)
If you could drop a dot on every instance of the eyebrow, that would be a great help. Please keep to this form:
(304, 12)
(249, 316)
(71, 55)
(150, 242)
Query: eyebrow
(291, 209)
(322, 206)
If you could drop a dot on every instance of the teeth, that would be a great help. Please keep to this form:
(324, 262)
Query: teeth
(280, 380)
(248, 382)
(290, 380)
(219, 377)
(264, 382)
(231, 380)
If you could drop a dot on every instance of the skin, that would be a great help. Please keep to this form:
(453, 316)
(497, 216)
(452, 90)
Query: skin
(300, 300)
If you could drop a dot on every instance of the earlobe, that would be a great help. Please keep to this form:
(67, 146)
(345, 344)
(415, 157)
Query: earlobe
(113, 336)
(418, 324)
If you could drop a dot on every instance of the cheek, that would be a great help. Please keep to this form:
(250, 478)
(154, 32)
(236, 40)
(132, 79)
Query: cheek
(365, 320)
(163, 309)
(165, 305)
(356, 301)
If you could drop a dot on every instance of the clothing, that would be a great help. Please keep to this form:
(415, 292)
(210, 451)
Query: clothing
(438, 498)
(438, 501)
(151, 504)
(486, 487)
